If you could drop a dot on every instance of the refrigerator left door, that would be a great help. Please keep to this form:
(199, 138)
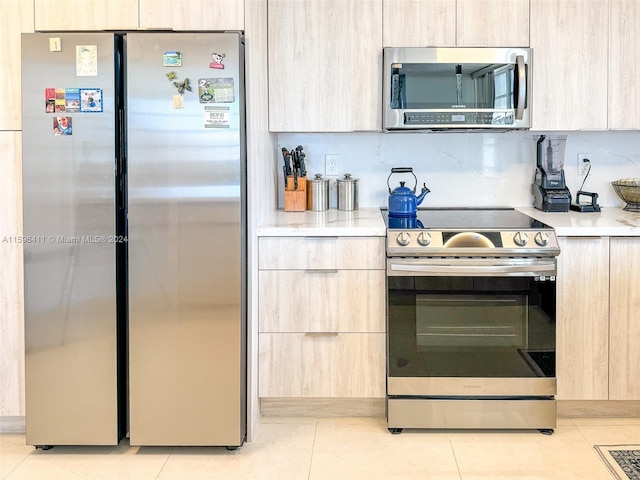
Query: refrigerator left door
(69, 185)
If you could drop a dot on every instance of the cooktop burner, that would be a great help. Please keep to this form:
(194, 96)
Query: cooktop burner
(469, 232)
(465, 219)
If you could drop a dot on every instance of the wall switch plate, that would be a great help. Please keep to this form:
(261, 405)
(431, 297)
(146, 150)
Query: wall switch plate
(331, 164)
(584, 161)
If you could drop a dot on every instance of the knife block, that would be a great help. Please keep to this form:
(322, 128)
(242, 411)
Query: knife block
(295, 200)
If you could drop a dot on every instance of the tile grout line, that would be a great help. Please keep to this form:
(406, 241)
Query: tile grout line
(19, 463)
(453, 451)
(313, 446)
(165, 462)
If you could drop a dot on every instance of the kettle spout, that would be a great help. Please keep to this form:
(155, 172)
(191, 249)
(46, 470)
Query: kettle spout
(423, 194)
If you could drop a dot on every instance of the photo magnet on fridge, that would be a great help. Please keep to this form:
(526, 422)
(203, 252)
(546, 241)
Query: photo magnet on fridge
(62, 126)
(91, 100)
(172, 59)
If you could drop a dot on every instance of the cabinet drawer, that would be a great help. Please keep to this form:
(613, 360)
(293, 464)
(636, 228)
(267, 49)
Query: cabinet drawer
(322, 300)
(322, 365)
(287, 253)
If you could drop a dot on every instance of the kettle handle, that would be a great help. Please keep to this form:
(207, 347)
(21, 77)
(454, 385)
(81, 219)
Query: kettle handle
(402, 170)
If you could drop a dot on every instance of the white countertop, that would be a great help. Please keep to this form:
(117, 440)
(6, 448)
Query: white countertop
(368, 222)
(364, 222)
(611, 221)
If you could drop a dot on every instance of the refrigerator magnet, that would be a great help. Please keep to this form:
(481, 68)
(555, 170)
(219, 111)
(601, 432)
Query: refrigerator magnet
(86, 60)
(71, 100)
(216, 117)
(59, 100)
(62, 126)
(172, 59)
(91, 100)
(49, 100)
(216, 90)
(216, 60)
(178, 101)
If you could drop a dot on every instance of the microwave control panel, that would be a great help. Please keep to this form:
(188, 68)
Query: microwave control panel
(458, 118)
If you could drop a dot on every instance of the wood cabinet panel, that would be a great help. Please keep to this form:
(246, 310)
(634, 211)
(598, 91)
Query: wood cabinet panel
(322, 301)
(192, 14)
(583, 318)
(493, 23)
(624, 64)
(419, 23)
(624, 317)
(308, 365)
(570, 42)
(286, 253)
(85, 14)
(19, 19)
(11, 278)
(325, 59)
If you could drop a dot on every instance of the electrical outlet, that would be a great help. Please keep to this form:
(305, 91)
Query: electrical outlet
(331, 164)
(584, 162)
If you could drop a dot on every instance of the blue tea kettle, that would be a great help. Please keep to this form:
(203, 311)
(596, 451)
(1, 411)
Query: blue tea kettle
(403, 201)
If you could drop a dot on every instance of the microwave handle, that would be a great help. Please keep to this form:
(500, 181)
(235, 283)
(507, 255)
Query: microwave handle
(521, 79)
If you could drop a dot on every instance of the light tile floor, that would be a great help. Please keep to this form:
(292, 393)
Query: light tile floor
(337, 449)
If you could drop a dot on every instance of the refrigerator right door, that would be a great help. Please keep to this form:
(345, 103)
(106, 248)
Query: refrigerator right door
(186, 221)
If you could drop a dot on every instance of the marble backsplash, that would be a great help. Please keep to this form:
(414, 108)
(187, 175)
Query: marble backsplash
(464, 169)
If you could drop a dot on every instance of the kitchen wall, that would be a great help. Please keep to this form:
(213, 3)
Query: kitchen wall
(465, 169)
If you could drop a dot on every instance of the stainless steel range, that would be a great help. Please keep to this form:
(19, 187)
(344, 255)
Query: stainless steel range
(471, 301)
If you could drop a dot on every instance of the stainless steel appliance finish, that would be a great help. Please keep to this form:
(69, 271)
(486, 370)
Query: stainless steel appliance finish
(471, 320)
(156, 346)
(347, 192)
(434, 88)
(318, 193)
(70, 307)
(186, 246)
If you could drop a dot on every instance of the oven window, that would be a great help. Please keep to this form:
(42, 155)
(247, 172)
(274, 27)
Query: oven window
(471, 327)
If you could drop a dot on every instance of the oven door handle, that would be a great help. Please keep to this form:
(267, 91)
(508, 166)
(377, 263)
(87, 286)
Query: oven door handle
(505, 270)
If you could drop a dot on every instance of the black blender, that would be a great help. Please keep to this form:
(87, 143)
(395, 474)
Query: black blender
(550, 192)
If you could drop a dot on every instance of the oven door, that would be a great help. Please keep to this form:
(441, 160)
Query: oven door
(471, 327)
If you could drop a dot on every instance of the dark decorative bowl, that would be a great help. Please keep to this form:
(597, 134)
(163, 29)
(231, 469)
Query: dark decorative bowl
(628, 189)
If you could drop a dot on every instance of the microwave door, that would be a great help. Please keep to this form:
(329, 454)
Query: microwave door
(443, 88)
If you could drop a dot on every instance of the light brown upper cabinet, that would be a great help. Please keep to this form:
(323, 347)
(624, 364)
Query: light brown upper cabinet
(21, 21)
(325, 64)
(492, 23)
(570, 42)
(85, 14)
(192, 14)
(421, 23)
(624, 64)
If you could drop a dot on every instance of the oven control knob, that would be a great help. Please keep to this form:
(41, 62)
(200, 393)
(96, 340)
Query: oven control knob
(542, 239)
(520, 239)
(424, 238)
(403, 239)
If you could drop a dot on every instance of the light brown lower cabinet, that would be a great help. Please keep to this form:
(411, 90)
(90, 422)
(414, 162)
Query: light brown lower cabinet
(598, 318)
(322, 324)
(624, 319)
(322, 365)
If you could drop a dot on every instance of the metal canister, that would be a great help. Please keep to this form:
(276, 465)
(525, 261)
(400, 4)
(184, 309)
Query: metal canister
(318, 193)
(347, 193)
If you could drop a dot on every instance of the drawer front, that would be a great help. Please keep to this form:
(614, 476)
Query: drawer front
(322, 300)
(322, 365)
(287, 253)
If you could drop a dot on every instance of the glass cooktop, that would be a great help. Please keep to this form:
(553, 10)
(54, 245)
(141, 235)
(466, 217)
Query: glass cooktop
(465, 219)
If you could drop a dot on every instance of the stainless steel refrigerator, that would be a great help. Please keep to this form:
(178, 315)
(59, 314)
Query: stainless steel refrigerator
(134, 238)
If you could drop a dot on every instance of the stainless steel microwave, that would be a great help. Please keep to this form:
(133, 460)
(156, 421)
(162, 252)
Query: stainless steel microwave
(434, 88)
